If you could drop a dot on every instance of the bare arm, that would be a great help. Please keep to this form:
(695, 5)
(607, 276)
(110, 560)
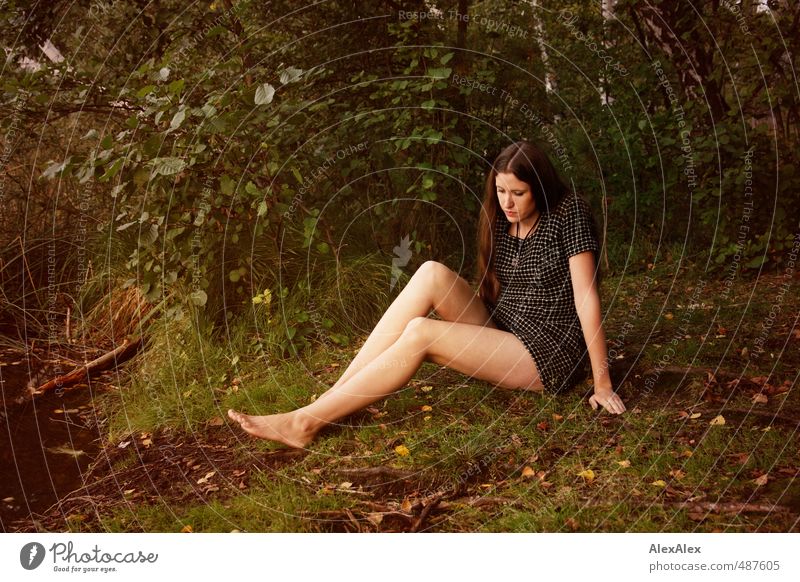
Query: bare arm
(587, 305)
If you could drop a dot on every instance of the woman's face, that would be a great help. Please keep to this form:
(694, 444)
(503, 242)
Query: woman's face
(515, 197)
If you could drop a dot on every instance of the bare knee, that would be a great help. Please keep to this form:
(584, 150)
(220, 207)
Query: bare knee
(416, 332)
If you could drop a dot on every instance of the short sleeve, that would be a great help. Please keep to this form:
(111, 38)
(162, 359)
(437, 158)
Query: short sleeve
(578, 233)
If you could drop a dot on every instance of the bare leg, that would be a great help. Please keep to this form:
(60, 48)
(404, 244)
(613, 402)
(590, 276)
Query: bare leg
(433, 286)
(482, 352)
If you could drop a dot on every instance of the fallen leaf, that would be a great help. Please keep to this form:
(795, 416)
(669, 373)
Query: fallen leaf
(426, 418)
(686, 453)
(147, 442)
(123, 444)
(659, 483)
(717, 420)
(760, 398)
(527, 472)
(426, 388)
(206, 478)
(402, 450)
(761, 480)
(406, 505)
(695, 415)
(677, 473)
(187, 529)
(216, 421)
(625, 463)
(543, 425)
(345, 485)
(375, 518)
(587, 474)
(572, 523)
(668, 315)
(426, 408)
(557, 417)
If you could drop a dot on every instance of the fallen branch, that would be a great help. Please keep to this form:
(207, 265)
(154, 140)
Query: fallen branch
(730, 507)
(109, 360)
(380, 471)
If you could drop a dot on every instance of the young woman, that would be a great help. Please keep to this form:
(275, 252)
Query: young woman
(528, 327)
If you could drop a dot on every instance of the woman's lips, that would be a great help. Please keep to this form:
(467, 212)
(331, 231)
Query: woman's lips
(507, 212)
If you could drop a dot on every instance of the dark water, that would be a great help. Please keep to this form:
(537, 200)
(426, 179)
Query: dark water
(45, 443)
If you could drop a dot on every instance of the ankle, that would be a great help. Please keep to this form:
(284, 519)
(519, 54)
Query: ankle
(305, 423)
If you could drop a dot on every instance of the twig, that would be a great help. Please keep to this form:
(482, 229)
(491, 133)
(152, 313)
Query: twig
(425, 512)
(379, 471)
(109, 360)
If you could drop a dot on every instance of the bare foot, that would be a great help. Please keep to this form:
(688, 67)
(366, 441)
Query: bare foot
(284, 428)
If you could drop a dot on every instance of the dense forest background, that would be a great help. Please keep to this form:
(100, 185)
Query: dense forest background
(221, 157)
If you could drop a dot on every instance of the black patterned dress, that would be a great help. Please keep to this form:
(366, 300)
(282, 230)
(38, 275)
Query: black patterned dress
(536, 302)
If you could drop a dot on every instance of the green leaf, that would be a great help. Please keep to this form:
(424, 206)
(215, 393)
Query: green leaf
(199, 297)
(234, 276)
(226, 184)
(264, 94)
(176, 86)
(757, 262)
(168, 166)
(446, 58)
(177, 119)
(440, 73)
(112, 170)
(290, 74)
(262, 208)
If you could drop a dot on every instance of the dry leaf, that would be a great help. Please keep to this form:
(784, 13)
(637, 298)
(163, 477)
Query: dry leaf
(528, 472)
(760, 398)
(345, 485)
(572, 523)
(557, 417)
(402, 450)
(668, 315)
(625, 463)
(717, 420)
(216, 421)
(695, 415)
(761, 480)
(406, 505)
(426, 388)
(587, 474)
(659, 483)
(206, 478)
(677, 473)
(543, 425)
(426, 408)
(187, 529)
(147, 442)
(687, 453)
(375, 518)
(426, 418)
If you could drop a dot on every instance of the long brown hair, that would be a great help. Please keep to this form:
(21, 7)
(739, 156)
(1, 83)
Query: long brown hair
(531, 165)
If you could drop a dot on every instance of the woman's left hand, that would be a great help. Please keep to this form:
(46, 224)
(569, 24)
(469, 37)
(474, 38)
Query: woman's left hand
(609, 399)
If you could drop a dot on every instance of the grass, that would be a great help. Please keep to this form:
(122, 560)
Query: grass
(526, 455)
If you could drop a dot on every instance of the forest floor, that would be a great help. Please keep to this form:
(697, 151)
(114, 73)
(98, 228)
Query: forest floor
(709, 442)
